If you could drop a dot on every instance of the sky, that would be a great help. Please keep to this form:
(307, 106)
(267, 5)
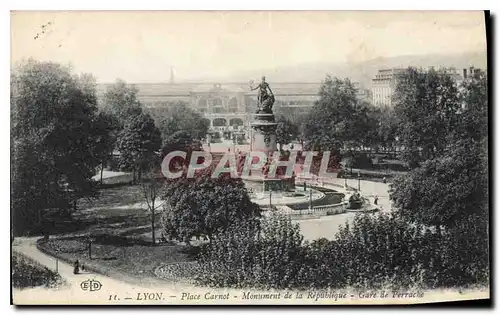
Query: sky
(142, 46)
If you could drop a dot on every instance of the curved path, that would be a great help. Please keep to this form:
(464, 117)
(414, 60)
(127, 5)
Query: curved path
(115, 291)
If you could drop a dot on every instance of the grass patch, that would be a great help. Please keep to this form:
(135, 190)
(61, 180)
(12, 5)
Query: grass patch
(112, 197)
(120, 228)
(27, 273)
(125, 257)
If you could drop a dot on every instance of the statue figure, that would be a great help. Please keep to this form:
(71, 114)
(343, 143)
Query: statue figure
(265, 100)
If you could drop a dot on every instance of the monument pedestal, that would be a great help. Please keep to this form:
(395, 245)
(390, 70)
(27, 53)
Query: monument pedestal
(264, 133)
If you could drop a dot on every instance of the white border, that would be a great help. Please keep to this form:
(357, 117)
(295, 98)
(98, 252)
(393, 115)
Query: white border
(188, 5)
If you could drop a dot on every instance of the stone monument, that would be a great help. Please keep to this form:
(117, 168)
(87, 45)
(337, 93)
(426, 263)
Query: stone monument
(264, 136)
(263, 125)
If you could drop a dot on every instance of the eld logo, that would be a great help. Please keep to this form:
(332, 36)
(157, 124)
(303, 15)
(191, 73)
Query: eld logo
(90, 285)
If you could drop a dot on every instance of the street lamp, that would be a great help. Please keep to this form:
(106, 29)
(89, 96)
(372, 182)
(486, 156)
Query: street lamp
(397, 144)
(310, 198)
(270, 201)
(359, 181)
(234, 142)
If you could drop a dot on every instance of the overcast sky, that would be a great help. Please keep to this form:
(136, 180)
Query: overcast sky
(143, 46)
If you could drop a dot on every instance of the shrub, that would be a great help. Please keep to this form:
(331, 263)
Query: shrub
(373, 251)
(265, 257)
(28, 273)
(360, 160)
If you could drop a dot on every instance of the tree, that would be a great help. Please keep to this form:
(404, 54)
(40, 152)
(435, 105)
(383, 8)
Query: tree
(203, 206)
(445, 191)
(285, 131)
(297, 116)
(179, 117)
(426, 103)
(181, 141)
(54, 137)
(473, 119)
(388, 124)
(450, 189)
(338, 119)
(139, 144)
(120, 101)
(151, 189)
(106, 127)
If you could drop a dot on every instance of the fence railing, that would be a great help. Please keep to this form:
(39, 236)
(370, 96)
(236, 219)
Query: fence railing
(317, 210)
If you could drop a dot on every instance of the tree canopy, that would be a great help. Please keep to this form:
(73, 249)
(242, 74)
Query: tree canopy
(339, 119)
(203, 206)
(426, 103)
(139, 144)
(120, 101)
(56, 137)
(179, 117)
(449, 188)
(286, 131)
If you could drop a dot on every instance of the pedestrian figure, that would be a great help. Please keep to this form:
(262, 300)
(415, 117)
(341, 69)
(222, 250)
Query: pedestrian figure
(375, 201)
(76, 268)
(83, 267)
(384, 180)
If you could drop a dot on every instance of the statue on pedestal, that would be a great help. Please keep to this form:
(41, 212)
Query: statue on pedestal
(265, 100)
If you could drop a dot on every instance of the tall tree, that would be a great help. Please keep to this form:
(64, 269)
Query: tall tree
(450, 189)
(473, 118)
(106, 132)
(55, 147)
(151, 189)
(139, 144)
(388, 125)
(335, 120)
(286, 131)
(120, 101)
(426, 103)
(179, 117)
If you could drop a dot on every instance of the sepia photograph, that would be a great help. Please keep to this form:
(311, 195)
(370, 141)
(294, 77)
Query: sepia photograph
(249, 157)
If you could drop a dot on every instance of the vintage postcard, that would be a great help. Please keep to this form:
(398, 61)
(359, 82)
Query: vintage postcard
(249, 157)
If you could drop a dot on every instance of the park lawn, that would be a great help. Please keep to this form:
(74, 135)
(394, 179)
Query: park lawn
(130, 259)
(112, 197)
(120, 229)
(116, 210)
(27, 273)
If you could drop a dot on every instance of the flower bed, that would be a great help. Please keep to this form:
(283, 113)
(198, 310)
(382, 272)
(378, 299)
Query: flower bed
(178, 272)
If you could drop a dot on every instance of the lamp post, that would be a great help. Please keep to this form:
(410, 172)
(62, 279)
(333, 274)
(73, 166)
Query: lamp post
(310, 198)
(234, 142)
(270, 200)
(209, 140)
(359, 181)
(397, 145)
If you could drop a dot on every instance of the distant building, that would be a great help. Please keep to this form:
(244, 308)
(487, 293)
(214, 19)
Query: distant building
(383, 86)
(384, 83)
(228, 106)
